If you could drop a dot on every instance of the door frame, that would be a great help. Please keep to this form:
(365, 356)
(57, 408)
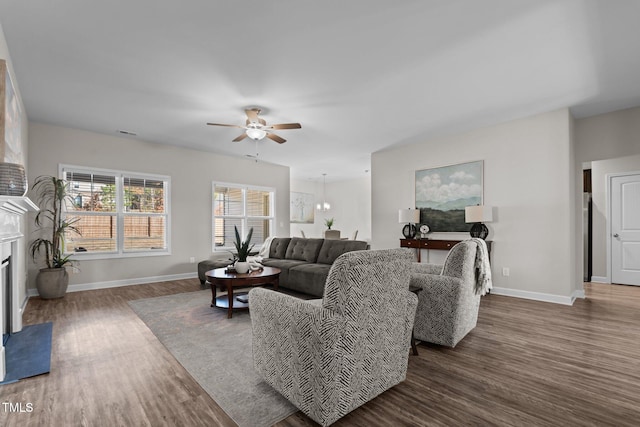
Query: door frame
(609, 178)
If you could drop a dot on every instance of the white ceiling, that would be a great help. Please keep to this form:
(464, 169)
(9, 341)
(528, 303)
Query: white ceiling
(358, 75)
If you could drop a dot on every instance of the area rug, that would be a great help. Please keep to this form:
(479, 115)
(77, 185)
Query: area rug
(216, 351)
(28, 352)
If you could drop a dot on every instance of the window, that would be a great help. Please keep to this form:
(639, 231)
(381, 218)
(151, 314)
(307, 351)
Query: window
(243, 207)
(120, 213)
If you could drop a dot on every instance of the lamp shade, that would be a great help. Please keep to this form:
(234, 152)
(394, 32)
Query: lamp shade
(409, 216)
(478, 213)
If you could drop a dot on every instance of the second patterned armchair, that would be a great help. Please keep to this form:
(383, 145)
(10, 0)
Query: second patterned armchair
(449, 299)
(330, 356)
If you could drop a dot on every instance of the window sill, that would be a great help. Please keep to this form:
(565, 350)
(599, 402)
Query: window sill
(87, 256)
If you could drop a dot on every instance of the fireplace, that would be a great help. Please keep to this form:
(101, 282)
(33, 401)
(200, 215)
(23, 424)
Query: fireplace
(13, 296)
(5, 274)
(10, 301)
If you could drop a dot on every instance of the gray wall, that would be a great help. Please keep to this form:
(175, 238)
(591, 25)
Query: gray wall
(600, 169)
(611, 142)
(608, 136)
(529, 177)
(192, 173)
(350, 207)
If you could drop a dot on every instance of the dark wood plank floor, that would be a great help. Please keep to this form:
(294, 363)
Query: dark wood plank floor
(527, 363)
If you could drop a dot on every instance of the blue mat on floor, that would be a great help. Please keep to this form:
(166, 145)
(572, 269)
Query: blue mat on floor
(28, 352)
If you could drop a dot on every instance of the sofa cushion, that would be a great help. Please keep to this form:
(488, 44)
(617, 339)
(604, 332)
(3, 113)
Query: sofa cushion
(283, 264)
(304, 249)
(310, 278)
(278, 248)
(332, 249)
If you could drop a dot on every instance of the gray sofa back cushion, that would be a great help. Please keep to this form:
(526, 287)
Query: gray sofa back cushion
(278, 248)
(332, 249)
(304, 249)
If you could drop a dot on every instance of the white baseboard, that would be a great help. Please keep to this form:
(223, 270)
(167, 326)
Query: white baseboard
(599, 279)
(125, 282)
(578, 294)
(537, 296)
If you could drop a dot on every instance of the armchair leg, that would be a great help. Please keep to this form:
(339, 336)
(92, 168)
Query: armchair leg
(414, 347)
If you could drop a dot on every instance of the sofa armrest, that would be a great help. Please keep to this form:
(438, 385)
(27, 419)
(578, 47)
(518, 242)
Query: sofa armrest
(424, 268)
(437, 288)
(290, 337)
(267, 306)
(448, 302)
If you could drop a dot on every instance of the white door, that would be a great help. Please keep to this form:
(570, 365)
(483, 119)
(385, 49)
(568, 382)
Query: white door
(625, 229)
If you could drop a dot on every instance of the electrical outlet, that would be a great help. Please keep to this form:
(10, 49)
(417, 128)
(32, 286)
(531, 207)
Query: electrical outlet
(192, 260)
(505, 271)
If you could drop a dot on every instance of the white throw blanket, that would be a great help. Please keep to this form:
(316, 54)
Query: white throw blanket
(482, 267)
(255, 261)
(264, 250)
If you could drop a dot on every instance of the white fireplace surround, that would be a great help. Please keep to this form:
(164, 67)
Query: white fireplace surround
(12, 244)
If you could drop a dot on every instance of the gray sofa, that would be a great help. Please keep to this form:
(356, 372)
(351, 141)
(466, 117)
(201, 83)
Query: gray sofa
(305, 263)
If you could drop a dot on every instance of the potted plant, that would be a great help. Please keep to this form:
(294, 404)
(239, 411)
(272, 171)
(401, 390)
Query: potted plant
(243, 249)
(52, 194)
(328, 222)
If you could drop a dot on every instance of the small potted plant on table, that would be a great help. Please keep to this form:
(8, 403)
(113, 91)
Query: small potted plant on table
(329, 223)
(243, 249)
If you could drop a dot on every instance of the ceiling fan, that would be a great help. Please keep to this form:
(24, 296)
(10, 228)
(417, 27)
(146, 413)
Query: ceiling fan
(256, 128)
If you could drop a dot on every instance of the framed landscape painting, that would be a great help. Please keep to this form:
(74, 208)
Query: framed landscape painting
(443, 193)
(301, 208)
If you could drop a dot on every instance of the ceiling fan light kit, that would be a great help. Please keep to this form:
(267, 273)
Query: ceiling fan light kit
(256, 134)
(256, 128)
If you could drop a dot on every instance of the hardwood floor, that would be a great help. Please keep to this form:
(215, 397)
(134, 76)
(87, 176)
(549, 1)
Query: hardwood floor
(527, 363)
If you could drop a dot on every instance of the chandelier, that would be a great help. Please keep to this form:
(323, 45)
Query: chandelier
(324, 206)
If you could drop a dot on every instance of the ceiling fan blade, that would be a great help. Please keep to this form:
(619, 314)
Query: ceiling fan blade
(222, 124)
(286, 126)
(252, 114)
(276, 138)
(240, 138)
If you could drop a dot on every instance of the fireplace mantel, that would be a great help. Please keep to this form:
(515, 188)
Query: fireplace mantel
(17, 205)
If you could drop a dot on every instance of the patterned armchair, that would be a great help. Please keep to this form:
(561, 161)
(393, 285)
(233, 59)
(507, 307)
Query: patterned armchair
(332, 355)
(449, 301)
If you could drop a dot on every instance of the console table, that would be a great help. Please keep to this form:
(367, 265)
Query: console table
(443, 245)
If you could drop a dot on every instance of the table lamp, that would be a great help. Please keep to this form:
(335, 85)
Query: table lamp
(477, 215)
(409, 217)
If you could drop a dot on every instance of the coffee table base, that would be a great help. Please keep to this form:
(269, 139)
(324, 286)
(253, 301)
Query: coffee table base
(226, 281)
(223, 301)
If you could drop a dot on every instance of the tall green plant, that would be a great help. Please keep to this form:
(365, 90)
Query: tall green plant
(52, 193)
(243, 248)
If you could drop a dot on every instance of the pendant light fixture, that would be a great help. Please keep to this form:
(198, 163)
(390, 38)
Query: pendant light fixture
(324, 206)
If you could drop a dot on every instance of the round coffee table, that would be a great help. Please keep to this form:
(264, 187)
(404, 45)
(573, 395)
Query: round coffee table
(226, 280)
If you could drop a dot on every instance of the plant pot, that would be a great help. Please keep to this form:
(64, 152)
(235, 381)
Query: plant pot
(242, 267)
(52, 282)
